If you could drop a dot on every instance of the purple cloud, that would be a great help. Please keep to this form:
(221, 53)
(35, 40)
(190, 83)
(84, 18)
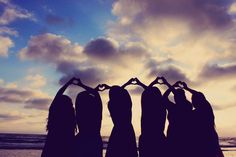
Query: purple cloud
(26, 97)
(52, 19)
(216, 71)
(9, 117)
(65, 56)
(171, 73)
(40, 104)
(100, 48)
(200, 14)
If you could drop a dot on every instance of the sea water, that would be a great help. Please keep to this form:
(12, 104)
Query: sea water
(27, 145)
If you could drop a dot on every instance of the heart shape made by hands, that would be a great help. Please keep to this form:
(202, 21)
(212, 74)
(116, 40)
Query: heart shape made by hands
(134, 81)
(76, 82)
(101, 87)
(181, 85)
(160, 81)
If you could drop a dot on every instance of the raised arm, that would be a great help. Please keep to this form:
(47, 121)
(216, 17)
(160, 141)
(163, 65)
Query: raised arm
(129, 82)
(172, 88)
(155, 82)
(185, 86)
(87, 88)
(63, 88)
(167, 93)
(138, 82)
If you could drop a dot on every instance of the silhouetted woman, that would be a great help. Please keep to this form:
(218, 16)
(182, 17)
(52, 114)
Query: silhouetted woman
(179, 117)
(88, 105)
(152, 141)
(61, 126)
(205, 141)
(122, 141)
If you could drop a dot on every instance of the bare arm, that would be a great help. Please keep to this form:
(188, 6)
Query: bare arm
(138, 82)
(63, 88)
(166, 100)
(87, 88)
(167, 93)
(128, 83)
(188, 89)
(154, 82)
(172, 88)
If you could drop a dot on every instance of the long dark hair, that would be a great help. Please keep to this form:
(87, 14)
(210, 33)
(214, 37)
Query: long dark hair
(88, 112)
(153, 110)
(200, 103)
(120, 105)
(61, 116)
(181, 100)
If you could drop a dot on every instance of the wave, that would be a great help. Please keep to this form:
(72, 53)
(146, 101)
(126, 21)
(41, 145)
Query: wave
(36, 141)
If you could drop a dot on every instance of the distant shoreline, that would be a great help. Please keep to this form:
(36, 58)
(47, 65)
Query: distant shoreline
(23, 141)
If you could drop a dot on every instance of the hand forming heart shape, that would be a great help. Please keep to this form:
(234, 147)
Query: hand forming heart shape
(134, 81)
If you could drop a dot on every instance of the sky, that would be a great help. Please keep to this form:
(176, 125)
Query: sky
(45, 43)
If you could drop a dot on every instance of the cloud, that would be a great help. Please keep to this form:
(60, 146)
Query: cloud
(12, 12)
(51, 48)
(207, 14)
(27, 97)
(101, 48)
(8, 31)
(36, 81)
(53, 19)
(171, 73)
(163, 68)
(136, 91)
(216, 71)
(1, 81)
(220, 107)
(232, 8)
(91, 76)
(66, 56)
(108, 50)
(6, 44)
(9, 95)
(233, 88)
(10, 117)
(16, 95)
(40, 104)
(191, 33)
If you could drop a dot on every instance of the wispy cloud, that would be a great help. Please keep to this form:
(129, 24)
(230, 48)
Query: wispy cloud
(36, 81)
(10, 117)
(6, 44)
(31, 99)
(12, 12)
(216, 71)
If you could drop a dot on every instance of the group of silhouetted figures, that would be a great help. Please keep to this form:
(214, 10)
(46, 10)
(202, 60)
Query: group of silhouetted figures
(75, 132)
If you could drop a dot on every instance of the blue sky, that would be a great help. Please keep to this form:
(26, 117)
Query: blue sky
(79, 21)
(44, 43)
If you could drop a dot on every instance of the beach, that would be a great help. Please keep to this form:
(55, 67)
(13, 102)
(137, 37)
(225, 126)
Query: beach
(28, 145)
(37, 153)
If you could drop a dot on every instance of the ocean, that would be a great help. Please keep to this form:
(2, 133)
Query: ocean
(30, 145)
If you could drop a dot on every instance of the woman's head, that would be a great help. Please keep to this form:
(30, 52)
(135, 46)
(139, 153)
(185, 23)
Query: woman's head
(120, 105)
(153, 109)
(151, 100)
(199, 100)
(179, 95)
(61, 117)
(88, 112)
(181, 100)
